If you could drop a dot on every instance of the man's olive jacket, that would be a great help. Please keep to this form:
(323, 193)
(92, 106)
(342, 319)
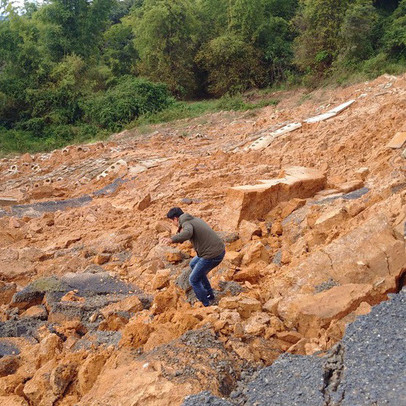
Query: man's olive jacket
(206, 242)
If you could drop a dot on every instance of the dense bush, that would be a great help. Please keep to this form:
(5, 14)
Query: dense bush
(126, 101)
(232, 65)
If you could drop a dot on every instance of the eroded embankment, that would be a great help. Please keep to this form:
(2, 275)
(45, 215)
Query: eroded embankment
(94, 310)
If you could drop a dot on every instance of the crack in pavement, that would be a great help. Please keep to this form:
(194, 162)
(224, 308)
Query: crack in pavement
(332, 373)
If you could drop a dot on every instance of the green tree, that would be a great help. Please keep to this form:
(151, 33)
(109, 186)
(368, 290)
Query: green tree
(246, 16)
(357, 31)
(214, 17)
(232, 65)
(74, 26)
(275, 40)
(318, 23)
(166, 40)
(119, 52)
(395, 36)
(285, 9)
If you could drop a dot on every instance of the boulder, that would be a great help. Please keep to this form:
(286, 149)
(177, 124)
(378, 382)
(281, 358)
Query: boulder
(35, 312)
(370, 254)
(173, 255)
(89, 371)
(311, 313)
(257, 323)
(38, 389)
(271, 305)
(144, 203)
(247, 230)
(255, 252)
(252, 273)
(253, 202)
(161, 279)
(244, 305)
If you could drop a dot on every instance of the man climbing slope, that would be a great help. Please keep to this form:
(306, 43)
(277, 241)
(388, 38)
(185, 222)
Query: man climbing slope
(208, 245)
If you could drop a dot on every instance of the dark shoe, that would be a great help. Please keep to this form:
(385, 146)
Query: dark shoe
(211, 297)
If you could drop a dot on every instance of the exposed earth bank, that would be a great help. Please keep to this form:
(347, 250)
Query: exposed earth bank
(309, 197)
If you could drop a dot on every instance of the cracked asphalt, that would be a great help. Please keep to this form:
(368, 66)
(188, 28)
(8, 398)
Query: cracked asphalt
(367, 368)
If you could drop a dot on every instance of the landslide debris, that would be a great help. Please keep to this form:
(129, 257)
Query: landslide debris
(93, 310)
(365, 368)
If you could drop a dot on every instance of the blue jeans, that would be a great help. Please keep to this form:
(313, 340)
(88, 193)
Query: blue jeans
(198, 279)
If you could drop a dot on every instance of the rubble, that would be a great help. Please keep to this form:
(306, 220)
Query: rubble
(93, 309)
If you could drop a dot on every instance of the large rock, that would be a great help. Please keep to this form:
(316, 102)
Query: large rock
(310, 313)
(252, 202)
(369, 254)
(33, 293)
(89, 371)
(244, 305)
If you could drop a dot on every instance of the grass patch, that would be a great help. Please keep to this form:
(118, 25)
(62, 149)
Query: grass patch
(181, 110)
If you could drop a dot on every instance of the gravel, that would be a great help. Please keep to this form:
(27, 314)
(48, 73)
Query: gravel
(375, 357)
(291, 380)
(205, 398)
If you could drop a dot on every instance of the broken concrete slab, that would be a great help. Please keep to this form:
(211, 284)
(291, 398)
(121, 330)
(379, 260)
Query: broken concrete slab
(330, 113)
(320, 117)
(119, 167)
(264, 141)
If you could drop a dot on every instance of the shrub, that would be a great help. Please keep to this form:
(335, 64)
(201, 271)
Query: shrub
(233, 66)
(129, 99)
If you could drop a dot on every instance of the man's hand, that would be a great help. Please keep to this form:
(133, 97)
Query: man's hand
(165, 240)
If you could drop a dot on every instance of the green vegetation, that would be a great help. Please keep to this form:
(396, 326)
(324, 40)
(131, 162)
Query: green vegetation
(181, 109)
(77, 70)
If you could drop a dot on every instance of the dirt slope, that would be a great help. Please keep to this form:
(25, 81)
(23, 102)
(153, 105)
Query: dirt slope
(94, 310)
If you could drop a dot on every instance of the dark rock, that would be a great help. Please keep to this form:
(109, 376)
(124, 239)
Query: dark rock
(67, 310)
(356, 194)
(205, 399)
(9, 365)
(97, 284)
(326, 285)
(230, 288)
(21, 328)
(97, 338)
(277, 259)
(33, 293)
(186, 200)
(183, 279)
(8, 348)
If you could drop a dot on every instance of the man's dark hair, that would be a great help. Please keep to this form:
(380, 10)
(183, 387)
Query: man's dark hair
(174, 212)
